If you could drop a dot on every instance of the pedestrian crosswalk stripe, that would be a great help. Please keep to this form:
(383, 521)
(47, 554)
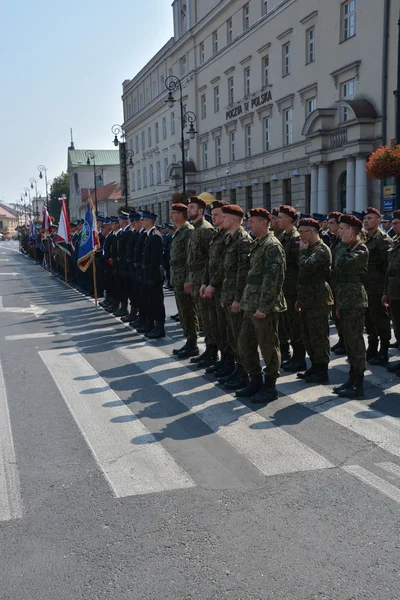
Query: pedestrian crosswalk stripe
(374, 481)
(42, 334)
(130, 469)
(391, 468)
(269, 448)
(10, 496)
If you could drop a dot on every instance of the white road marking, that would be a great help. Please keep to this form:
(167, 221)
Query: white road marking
(269, 448)
(374, 481)
(130, 469)
(10, 273)
(1, 301)
(41, 335)
(4, 260)
(36, 310)
(10, 496)
(391, 468)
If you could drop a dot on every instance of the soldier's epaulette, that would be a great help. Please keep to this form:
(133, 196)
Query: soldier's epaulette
(156, 232)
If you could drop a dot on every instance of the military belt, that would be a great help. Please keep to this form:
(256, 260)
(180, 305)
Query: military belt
(349, 278)
(312, 280)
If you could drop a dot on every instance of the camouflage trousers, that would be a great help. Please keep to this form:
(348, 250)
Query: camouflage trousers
(315, 327)
(395, 314)
(261, 333)
(377, 320)
(292, 320)
(336, 320)
(202, 309)
(219, 323)
(234, 321)
(284, 337)
(352, 326)
(187, 316)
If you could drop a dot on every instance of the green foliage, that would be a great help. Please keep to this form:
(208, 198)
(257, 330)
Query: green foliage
(59, 187)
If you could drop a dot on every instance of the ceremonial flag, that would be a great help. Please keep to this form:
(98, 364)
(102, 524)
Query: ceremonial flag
(32, 231)
(89, 238)
(63, 239)
(47, 221)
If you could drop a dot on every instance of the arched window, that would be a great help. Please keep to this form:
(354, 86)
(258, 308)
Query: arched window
(342, 191)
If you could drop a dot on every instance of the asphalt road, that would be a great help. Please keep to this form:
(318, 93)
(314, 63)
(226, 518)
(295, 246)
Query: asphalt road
(126, 474)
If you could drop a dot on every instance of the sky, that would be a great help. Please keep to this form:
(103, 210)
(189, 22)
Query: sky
(62, 64)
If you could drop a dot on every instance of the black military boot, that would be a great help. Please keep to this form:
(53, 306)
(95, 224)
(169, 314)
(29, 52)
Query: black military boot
(189, 350)
(254, 385)
(372, 349)
(227, 368)
(203, 356)
(157, 333)
(306, 373)
(285, 352)
(123, 311)
(393, 367)
(319, 374)
(176, 350)
(239, 382)
(268, 392)
(356, 390)
(113, 308)
(224, 378)
(131, 317)
(345, 386)
(211, 358)
(218, 365)
(382, 358)
(298, 360)
(147, 327)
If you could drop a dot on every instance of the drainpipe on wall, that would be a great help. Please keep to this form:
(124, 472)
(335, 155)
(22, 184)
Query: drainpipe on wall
(385, 78)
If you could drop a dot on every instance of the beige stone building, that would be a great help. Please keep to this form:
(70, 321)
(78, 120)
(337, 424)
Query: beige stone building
(290, 97)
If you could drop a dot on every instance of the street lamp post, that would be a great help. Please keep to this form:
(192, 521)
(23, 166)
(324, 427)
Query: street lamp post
(173, 83)
(90, 155)
(33, 183)
(27, 191)
(126, 156)
(42, 169)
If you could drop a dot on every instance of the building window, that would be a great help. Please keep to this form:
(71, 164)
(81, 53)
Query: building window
(129, 110)
(229, 31)
(143, 142)
(267, 143)
(231, 94)
(164, 128)
(151, 174)
(134, 106)
(183, 64)
(145, 177)
(348, 93)
(173, 159)
(158, 171)
(137, 144)
(249, 197)
(216, 98)
(139, 180)
(205, 155)
(140, 101)
(285, 59)
(218, 195)
(215, 42)
(310, 45)
(170, 72)
(248, 140)
(201, 52)
(307, 193)
(162, 84)
(154, 89)
(232, 147)
(311, 105)
(287, 121)
(247, 81)
(157, 133)
(265, 73)
(232, 196)
(287, 192)
(133, 182)
(246, 17)
(165, 169)
(147, 95)
(267, 195)
(264, 7)
(149, 136)
(172, 123)
(203, 103)
(348, 10)
(218, 157)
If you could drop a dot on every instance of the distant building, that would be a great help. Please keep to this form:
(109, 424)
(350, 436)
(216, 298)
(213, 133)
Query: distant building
(9, 220)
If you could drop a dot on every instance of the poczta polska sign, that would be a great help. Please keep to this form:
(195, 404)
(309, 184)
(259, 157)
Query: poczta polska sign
(244, 107)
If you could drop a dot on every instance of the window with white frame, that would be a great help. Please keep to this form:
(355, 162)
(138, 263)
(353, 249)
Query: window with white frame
(173, 123)
(203, 104)
(215, 42)
(158, 171)
(166, 169)
(218, 155)
(139, 179)
(216, 98)
(232, 146)
(183, 65)
(205, 155)
(164, 128)
(311, 105)
(348, 91)
(231, 91)
(248, 140)
(145, 177)
(149, 137)
(133, 181)
(264, 7)
(154, 89)
(229, 31)
(287, 126)
(286, 59)
(151, 174)
(267, 135)
(157, 133)
(246, 16)
(310, 45)
(348, 18)
(143, 142)
(137, 144)
(201, 53)
(247, 81)
(265, 73)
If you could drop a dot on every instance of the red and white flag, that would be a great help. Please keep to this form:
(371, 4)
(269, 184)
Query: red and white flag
(63, 239)
(47, 221)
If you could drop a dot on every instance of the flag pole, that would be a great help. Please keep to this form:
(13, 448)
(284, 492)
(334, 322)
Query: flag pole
(94, 280)
(49, 245)
(65, 268)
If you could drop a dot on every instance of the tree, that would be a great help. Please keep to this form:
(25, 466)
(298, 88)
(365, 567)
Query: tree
(59, 187)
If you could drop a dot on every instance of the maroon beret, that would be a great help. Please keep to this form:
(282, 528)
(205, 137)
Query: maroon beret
(180, 208)
(309, 223)
(396, 215)
(275, 212)
(233, 209)
(218, 204)
(259, 212)
(195, 200)
(289, 211)
(335, 215)
(371, 210)
(352, 221)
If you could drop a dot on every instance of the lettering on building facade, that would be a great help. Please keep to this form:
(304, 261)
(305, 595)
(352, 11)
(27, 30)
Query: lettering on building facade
(247, 105)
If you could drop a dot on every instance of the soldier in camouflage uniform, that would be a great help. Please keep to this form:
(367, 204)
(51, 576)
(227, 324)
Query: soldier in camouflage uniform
(262, 302)
(377, 318)
(235, 268)
(284, 337)
(197, 256)
(291, 244)
(178, 266)
(211, 289)
(391, 297)
(336, 246)
(314, 300)
(350, 270)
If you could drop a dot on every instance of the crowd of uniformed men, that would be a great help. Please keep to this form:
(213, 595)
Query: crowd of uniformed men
(261, 283)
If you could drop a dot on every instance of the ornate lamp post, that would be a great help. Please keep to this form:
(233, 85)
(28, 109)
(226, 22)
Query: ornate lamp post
(91, 159)
(126, 156)
(42, 169)
(33, 183)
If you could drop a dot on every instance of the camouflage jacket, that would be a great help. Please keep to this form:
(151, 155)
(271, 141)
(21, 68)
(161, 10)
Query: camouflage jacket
(198, 251)
(350, 269)
(337, 246)
(378, 246)
(236, 265)
(291, 243)
(392, 281)
(214, 272)
(178, 256)
(264, 282)
(315, 264)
